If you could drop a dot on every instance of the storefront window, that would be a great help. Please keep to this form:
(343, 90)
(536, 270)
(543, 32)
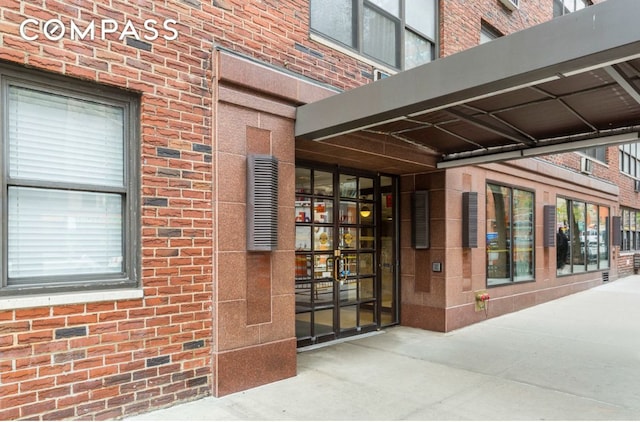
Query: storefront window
(583, 237)
(510, 235)
(630, 230)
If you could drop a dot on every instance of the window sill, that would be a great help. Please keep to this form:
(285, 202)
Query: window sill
(37, 301)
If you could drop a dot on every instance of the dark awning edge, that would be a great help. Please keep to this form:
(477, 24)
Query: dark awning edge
(597, 37)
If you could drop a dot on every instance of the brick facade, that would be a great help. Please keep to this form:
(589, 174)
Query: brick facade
(214, 319)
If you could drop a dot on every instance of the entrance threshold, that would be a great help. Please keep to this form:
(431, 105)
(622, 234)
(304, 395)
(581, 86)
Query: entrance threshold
(338, 341)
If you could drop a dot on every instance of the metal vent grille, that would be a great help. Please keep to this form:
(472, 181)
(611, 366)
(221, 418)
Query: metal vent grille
(549, 226)
(420, 232)
(470, 219)
(262, 203)
(616, 235)
(605, 277)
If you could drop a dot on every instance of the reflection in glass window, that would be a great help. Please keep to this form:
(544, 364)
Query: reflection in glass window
(563, 7)
(335, 19)
(577, 237)
(386, 32)
(583, 237)
(630, 230)
(510, 235)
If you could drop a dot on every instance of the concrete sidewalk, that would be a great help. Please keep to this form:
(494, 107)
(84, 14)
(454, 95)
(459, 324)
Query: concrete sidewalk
(574, 358)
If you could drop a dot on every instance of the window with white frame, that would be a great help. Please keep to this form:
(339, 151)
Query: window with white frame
(397, 33)
(563, 7)
(68, 185)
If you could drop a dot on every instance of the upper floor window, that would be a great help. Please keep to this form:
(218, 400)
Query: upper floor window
(597, 153)
(630, 159)
(67, 209)
(562, 7)
(487, 33)
(397, 33)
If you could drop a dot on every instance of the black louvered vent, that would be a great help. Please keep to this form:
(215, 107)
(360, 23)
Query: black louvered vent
(549, 226)
(262, 203)
(420, 220)
(469, 219)
(616, 227)
(605, 277)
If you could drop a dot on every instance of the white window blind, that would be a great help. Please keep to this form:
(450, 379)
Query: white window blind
(61, 139)
(67, 187)
(55, 232)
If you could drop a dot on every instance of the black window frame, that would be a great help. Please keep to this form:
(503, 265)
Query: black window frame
(358, 7)
(511, 262)
(13, 75)
(581, 241)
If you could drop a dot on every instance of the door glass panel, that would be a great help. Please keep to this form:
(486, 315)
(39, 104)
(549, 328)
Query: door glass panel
(351, 264)
(323, 183)
(323, 266)
(303, 267)
(323, 322)
(366, 213)
(348, 317)
(366, 289)
(367, 314)
(303, 238)
(323, 293)
(348, 291)
(348, 237)
(303, 325)
(303, 297)
(348, 212)
(367, 238)
(303, 209)
(323, 238)
(341, 222)
(366, 264)
(323, 211)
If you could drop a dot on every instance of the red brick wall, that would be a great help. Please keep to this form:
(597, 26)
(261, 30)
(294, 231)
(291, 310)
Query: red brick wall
(461, 20)
(112, 358)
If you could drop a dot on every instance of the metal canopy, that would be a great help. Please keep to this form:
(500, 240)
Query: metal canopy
(566, 84)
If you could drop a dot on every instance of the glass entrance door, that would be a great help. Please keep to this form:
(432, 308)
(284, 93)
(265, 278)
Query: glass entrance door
(345, 254)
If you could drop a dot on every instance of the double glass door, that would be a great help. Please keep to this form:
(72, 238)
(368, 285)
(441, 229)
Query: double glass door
(346, 258)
